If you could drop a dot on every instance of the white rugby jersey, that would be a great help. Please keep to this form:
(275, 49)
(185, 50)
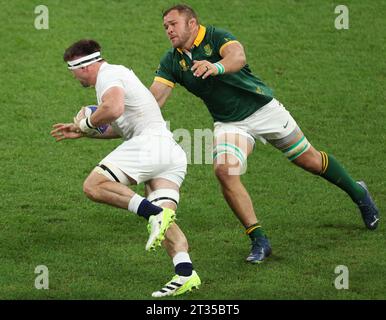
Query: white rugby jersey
(142, 114)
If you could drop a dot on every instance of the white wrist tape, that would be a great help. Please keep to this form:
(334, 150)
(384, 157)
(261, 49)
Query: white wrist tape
(85, 125)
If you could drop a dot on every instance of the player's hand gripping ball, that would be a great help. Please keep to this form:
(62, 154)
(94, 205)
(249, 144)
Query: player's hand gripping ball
(86, 112)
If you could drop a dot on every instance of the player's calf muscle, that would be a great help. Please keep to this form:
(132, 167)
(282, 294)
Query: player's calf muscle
(311, 161)
(90, 190)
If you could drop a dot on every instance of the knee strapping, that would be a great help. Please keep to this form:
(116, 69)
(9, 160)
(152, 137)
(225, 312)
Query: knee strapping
(160, 196)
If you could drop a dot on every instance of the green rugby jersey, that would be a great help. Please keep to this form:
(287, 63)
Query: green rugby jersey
(228, 97)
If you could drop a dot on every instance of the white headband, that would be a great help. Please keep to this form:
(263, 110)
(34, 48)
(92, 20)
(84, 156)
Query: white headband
(84, 61)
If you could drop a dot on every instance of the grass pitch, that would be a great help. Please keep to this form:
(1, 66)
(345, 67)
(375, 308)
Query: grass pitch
(332, 81)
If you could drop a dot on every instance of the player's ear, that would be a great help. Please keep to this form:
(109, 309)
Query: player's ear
(192, 22)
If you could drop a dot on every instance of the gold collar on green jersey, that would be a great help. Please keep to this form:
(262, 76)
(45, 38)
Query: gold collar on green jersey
(199, 38)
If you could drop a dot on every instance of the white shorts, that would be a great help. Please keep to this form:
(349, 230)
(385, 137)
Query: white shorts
(147, 157)
(271, 122)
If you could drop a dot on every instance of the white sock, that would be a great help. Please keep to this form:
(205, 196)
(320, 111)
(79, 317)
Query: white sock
(134, 203)
(181, 257)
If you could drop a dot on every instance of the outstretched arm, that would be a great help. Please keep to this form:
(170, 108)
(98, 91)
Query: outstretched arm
(111, 108)
(64, 131)
(233, 60)
(161, 92)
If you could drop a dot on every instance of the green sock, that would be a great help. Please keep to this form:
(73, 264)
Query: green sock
(255, 231)
(333, 172)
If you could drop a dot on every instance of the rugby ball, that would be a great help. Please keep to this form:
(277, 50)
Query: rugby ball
(88, 111)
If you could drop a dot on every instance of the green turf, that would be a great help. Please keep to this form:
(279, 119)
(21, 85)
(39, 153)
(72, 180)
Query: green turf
(332, 81)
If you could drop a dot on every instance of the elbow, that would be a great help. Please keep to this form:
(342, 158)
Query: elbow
(118, 111)
(160, 102)
(243, 61)
(238, 62)
(159, 99)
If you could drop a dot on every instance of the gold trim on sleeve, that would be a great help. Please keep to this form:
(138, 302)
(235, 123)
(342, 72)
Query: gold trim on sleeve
(164, 81)
(226, 44)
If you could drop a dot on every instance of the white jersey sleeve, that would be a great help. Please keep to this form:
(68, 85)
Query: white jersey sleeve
(142, 114)
(108, 82)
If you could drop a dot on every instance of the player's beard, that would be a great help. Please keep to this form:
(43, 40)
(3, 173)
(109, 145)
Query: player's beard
(84, 83)
(183, 38)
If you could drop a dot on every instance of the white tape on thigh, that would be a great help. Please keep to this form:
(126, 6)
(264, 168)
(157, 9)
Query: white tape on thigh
(297, 149)
(160, 196)
(228, 148)
(113, 173)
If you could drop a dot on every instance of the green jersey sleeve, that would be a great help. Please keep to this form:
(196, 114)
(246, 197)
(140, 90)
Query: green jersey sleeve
(222, 38)
(164, 71)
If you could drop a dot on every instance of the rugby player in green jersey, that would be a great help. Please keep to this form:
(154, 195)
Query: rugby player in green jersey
(211, 63)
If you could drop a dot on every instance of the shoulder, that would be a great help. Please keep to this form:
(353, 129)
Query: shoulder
(169, 60)
(215, 32)
(169, 55)
(112, 71)
(219, 38)
(112, 68)
(111, 75)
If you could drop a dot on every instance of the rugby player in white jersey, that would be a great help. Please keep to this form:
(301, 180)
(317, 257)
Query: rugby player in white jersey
(148, 154)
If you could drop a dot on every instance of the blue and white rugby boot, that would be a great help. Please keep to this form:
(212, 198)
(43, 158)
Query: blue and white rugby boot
(260, 250)
(369, 211)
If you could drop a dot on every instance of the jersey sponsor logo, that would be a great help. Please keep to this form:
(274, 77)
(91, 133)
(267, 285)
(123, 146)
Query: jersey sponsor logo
(208, 50)
(183, 65)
